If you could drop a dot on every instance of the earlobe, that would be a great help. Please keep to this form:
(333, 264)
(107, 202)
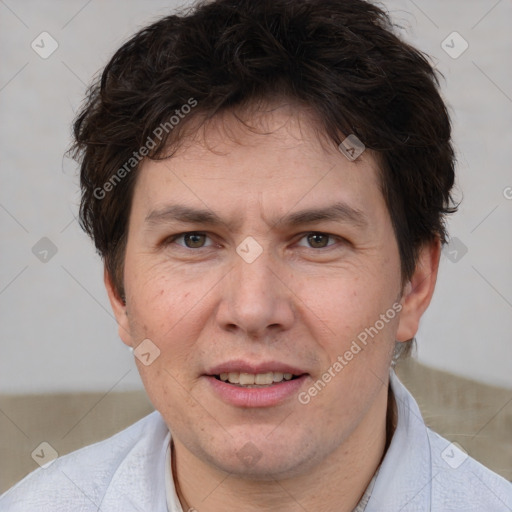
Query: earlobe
(419, 290)
(118, 305)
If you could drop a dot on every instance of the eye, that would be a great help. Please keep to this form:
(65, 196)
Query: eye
(318, 240)
(191, 240)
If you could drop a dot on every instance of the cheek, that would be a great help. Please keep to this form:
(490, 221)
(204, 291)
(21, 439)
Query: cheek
(172, 309)
(340, 307)
(160, 296)
(170, 392)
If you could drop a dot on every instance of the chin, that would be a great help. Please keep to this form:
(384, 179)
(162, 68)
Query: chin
(263, 470)
(268, 462)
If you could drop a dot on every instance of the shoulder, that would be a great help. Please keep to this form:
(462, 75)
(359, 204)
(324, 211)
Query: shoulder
(80, 480)
(460, 483)
(422, 471)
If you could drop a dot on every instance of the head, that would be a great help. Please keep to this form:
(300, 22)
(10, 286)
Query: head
(237, 235)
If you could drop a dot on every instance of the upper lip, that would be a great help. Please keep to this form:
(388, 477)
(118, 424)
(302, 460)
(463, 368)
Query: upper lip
(242, 366)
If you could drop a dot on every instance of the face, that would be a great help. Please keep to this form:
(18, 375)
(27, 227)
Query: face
(249, 258)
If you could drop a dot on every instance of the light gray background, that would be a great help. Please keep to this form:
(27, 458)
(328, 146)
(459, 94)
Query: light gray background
(57, 331)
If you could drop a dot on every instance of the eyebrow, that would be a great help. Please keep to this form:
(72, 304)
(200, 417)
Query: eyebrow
(338, 212)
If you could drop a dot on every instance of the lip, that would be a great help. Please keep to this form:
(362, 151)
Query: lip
(269, 396)
(239, 365)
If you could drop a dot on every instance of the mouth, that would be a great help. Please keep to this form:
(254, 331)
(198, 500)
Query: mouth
(258, 380)
(244, 384)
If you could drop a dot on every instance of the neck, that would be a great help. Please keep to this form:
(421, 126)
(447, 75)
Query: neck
(335, 485)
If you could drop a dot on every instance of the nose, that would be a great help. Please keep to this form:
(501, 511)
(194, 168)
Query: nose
(256, 300)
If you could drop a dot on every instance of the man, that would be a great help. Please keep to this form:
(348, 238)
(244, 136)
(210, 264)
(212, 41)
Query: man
(266, 183)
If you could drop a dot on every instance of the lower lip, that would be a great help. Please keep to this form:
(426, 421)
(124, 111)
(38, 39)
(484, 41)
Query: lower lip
(256, 397)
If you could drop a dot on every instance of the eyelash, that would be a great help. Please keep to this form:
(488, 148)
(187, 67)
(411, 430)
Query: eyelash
(173, 239)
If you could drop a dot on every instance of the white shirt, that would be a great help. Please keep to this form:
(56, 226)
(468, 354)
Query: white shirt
(421, 472)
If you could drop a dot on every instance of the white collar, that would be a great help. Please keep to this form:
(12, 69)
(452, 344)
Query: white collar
(173, 502)
(405, 477)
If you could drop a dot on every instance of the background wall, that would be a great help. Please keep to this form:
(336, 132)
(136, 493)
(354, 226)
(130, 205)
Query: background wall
(57, 331)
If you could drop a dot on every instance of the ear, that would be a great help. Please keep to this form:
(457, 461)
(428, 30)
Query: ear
(119, 309)
(419, 290)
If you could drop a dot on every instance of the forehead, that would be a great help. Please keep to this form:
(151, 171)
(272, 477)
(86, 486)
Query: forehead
(275, 159)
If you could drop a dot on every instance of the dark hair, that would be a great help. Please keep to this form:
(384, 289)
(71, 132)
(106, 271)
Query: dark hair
(340, 58)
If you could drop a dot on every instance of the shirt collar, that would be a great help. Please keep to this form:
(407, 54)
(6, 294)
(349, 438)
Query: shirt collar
(138, 481)
(173, 502)
(404, 481)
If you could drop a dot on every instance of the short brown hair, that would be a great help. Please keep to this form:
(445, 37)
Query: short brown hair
(341, 58)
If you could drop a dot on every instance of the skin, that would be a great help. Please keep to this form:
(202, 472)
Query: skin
(296, 303)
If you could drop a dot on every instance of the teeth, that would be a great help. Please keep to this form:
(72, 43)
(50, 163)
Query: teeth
(264, 378)
(250, 380)
(234, 377)
(245, 379)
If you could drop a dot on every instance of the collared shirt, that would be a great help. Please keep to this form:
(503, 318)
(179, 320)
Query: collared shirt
(421, 472)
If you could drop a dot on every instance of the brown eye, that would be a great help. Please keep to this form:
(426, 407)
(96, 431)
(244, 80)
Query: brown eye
(318, 240)
(194, 240)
